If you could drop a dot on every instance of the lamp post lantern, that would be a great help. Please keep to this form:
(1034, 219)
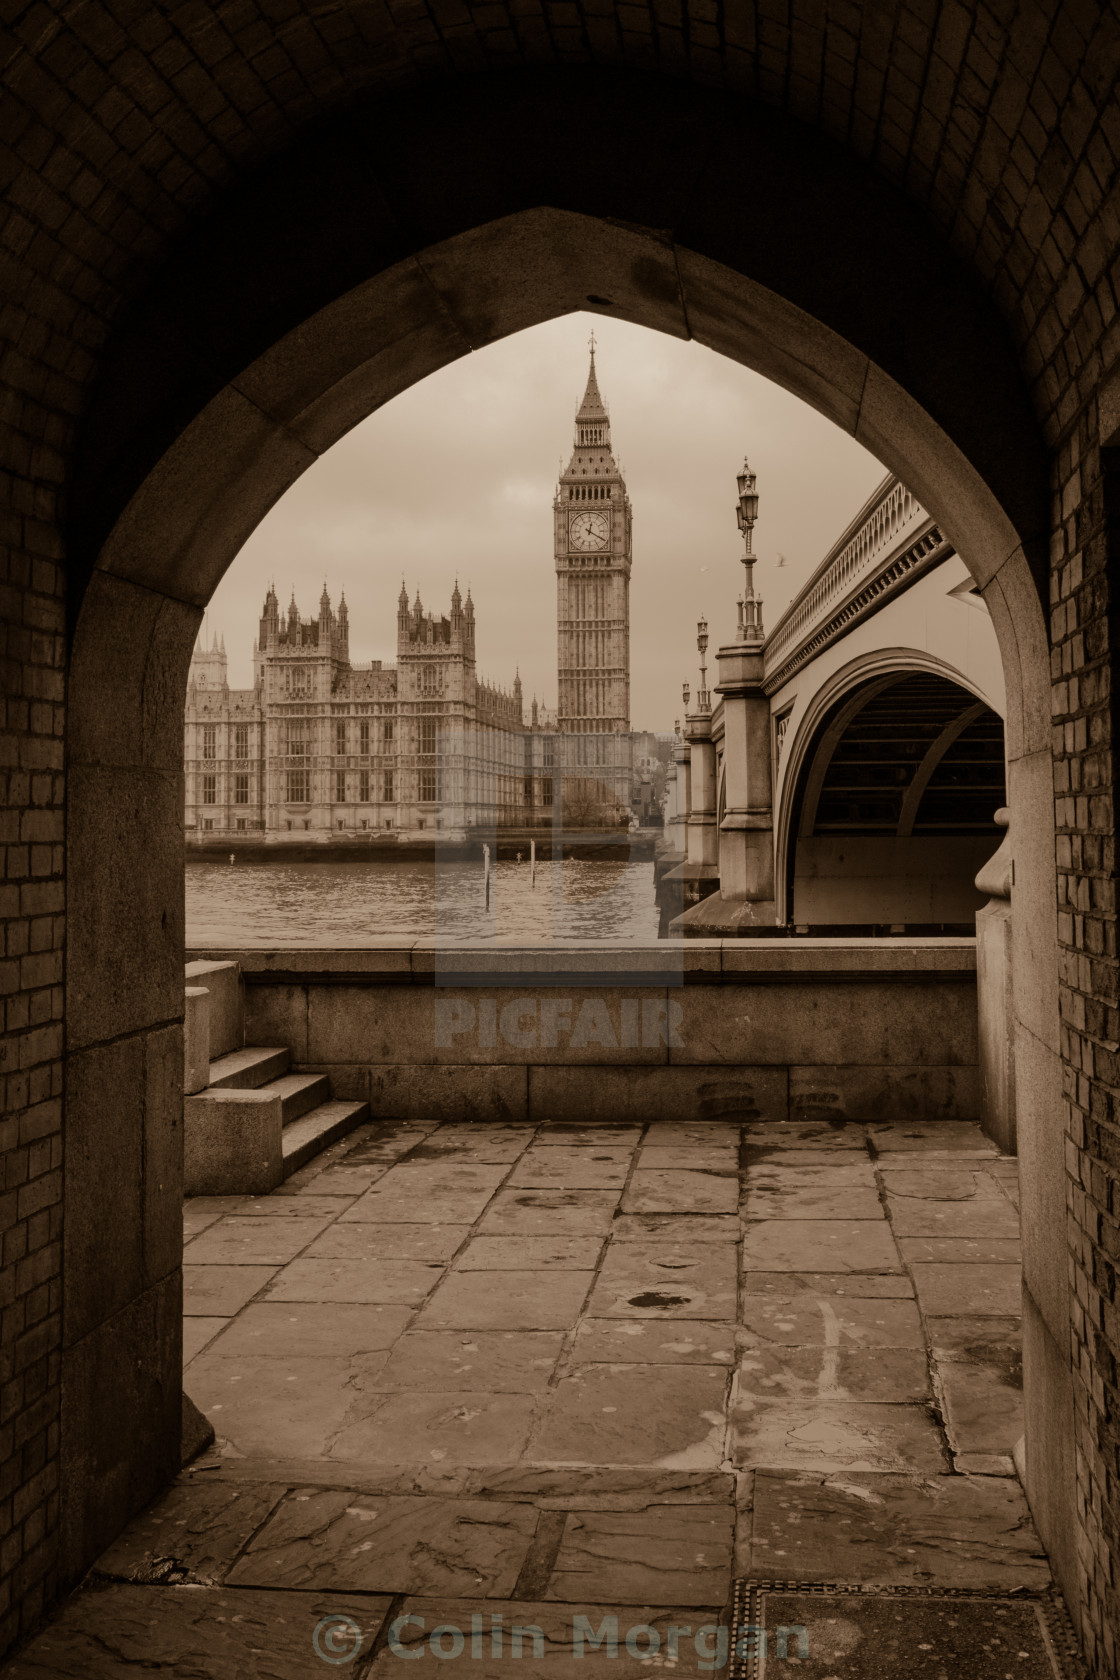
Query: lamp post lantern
(746, 512)
(703, 694)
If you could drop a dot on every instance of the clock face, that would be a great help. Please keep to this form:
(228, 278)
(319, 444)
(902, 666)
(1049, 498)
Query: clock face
(588, 530)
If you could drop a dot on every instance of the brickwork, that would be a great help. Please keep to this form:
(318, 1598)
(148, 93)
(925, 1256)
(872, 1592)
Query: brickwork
(32, 897)
(1082, 616)
(120, 127)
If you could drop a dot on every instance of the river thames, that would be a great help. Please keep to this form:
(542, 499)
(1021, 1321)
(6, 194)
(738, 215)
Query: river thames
(283, 904)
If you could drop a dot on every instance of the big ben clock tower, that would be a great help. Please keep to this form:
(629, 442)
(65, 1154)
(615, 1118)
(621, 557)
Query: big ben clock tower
(592, 542)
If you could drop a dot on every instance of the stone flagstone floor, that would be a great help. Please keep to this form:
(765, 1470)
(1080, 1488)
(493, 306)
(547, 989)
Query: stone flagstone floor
(524, 1375)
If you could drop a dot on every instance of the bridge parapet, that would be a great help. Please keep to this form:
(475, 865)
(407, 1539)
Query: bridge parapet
(891, 541)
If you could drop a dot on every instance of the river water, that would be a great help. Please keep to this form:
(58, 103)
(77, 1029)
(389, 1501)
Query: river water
(274, 905)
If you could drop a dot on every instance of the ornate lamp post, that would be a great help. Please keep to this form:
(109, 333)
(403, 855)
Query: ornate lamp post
(750, 607)
(703, 694)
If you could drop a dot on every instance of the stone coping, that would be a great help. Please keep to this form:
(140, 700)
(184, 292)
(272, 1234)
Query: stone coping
(396, 961)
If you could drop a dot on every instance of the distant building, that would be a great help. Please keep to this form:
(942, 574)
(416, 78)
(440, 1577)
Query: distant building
(592, 539)
(325, 750)
(321, 749)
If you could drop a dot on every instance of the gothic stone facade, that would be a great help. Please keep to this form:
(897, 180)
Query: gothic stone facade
(321, 749)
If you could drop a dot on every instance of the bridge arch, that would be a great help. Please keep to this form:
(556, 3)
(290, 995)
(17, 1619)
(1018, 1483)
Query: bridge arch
(378, 250)
(883, 665)
(918, 825)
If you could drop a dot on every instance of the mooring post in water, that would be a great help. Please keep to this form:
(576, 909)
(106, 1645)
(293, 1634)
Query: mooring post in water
(486, 873)
(532, 863)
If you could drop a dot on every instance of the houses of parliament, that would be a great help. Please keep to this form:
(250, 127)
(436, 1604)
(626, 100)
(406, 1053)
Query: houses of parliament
(321, 749)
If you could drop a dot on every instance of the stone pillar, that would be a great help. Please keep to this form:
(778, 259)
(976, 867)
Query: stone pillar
(995, 994)
(701, 839)
(699, 873)
(746, 834)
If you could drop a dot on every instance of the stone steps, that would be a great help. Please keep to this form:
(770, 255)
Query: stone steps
(323, 1126)
(255, 1123)
(245, 1070)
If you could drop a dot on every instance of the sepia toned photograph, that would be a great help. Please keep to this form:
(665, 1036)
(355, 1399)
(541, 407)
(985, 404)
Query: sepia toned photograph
(561, 993)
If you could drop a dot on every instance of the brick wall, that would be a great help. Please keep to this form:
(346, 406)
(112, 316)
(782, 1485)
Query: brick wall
(1087, 520)
(33, 901)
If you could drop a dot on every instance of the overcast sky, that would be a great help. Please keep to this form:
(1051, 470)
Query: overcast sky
(456, 478)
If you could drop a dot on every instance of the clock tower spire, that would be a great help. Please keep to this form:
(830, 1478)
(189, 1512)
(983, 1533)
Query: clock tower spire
(593, 557)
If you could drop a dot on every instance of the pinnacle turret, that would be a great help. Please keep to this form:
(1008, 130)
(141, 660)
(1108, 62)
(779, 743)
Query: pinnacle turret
(592, 407)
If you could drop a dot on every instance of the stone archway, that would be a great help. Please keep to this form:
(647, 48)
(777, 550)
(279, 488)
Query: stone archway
(187, 446)
(891, 827)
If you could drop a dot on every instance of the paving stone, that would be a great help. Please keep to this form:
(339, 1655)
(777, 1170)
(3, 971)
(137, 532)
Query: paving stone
(805, 1134)
(828, 1245)
(681, 1192)
(202, 1211)
(605, 1488)
(497, 1361)
(568, 1134)
(468, 1426)
(898, 1375)
(330, 1329)
(940, 1184)
(406, 1205)
(946, 1290)
(830, 1320)
(760, 1157)
(546, 1652)
(671, 1416)
(201, 1526)
(788, 1173)
(115, 1631)
(378, 1282)
(572, 1169)
(511, 1301)
(673, 1156)
(500, 1254)
(885, 1284)
(252, 1242)
(895, 1530)
(281, 1408)
(304, 1206)
(960, 1250)
(980, 1218)
(646, 1341)
(688, 1227)
(845, 1201)
(940, 1136)
(220, 1291)
(395, 1545)
(665, 1279)
(550, 1213)
(491, 1146)
(834, 1435)
(704, 1132)
(974, 1338)
(388, 1242)
(441, 1177)
(668, 1554)
(341, 1184)
(197, 1332)
(982, 1403)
